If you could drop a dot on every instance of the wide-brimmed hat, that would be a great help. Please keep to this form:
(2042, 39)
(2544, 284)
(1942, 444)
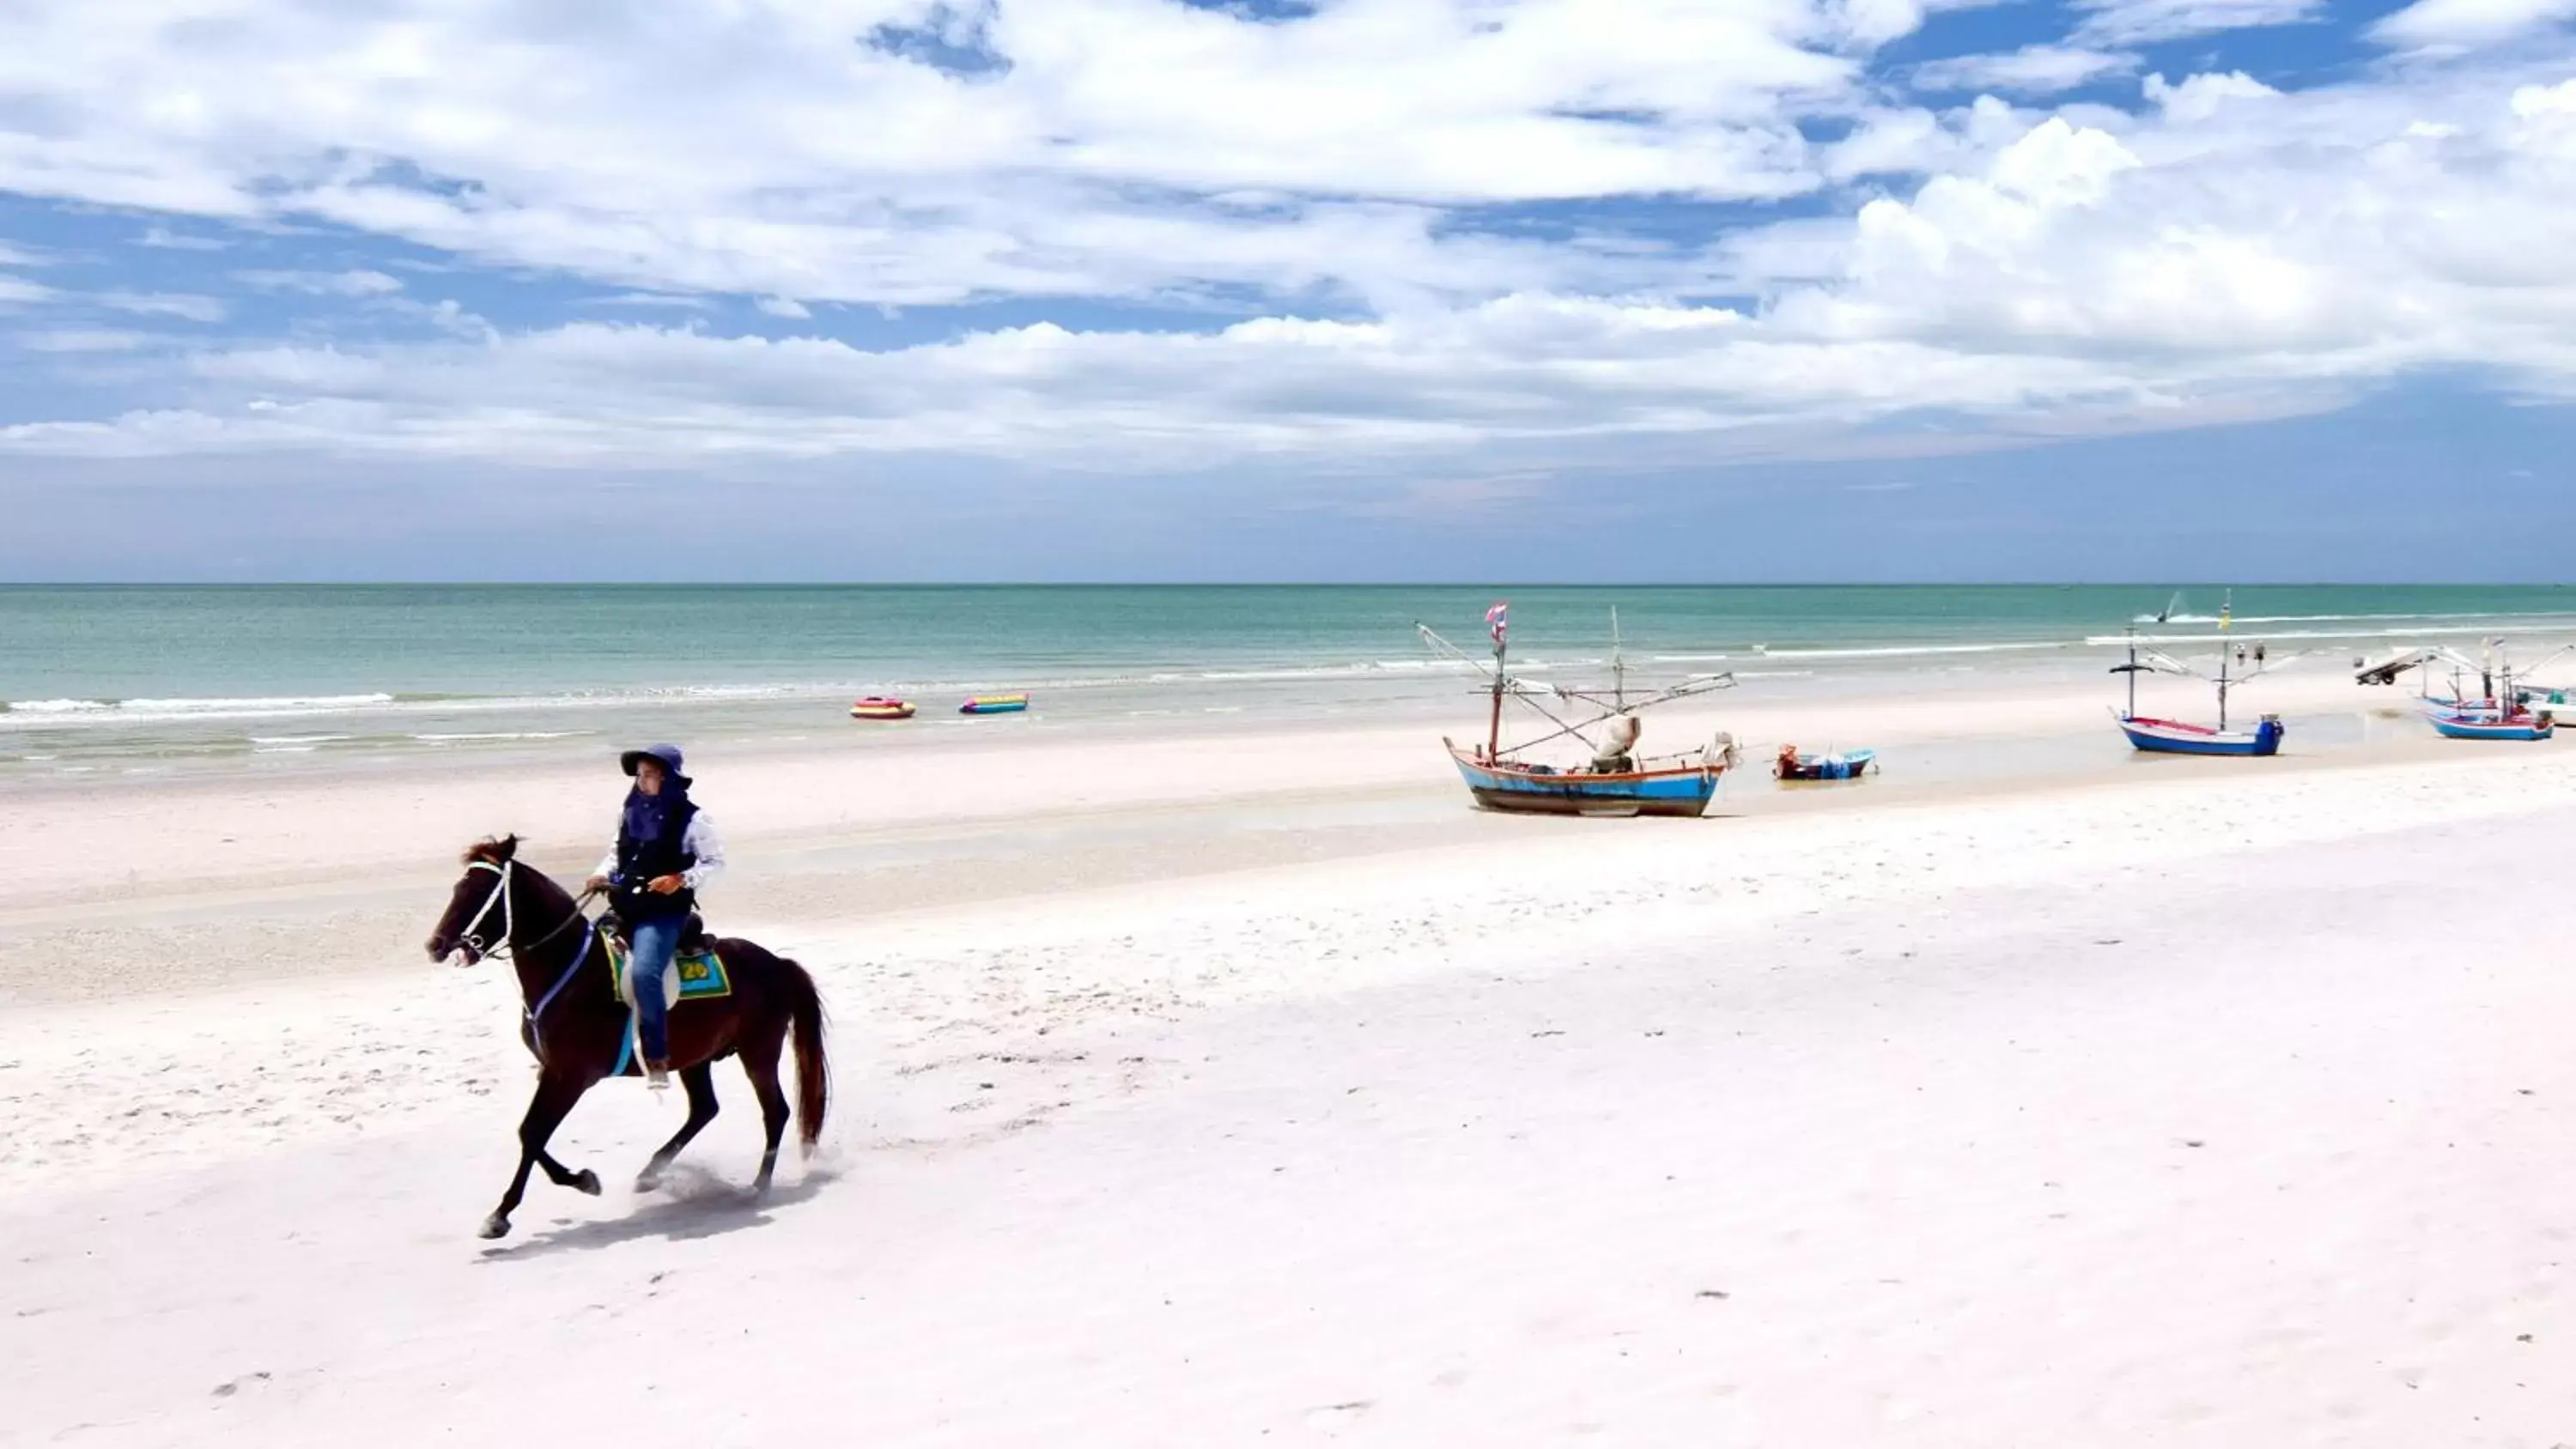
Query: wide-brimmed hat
(667, 756)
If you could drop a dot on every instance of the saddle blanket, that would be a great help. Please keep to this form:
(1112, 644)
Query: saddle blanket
(693, 976)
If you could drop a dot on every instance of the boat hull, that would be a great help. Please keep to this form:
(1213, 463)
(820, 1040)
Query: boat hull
(1682, 791)
(2517, 727)
(1850, 766)
(2172, 737)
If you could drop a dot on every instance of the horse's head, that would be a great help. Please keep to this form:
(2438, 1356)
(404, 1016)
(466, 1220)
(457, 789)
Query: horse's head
(477, 915)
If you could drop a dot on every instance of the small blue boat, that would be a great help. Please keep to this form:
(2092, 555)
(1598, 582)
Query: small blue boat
(2494, 726)
(1845, 765)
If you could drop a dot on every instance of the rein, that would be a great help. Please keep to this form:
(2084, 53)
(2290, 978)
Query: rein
(509, 926)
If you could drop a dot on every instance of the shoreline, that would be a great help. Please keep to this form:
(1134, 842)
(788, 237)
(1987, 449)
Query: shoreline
(98, 744)
(186, 883)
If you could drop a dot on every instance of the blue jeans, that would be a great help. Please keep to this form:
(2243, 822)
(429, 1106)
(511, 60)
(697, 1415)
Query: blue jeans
(655, 942)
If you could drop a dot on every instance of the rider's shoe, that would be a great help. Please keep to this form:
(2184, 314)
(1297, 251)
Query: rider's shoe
(657, 1075)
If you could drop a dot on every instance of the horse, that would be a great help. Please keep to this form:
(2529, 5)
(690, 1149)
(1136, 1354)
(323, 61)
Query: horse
(572, 1022)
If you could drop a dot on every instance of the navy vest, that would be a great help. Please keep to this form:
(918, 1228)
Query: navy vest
(649, 846)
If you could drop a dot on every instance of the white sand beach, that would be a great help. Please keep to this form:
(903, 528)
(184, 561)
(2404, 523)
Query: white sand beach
(1239, 1088)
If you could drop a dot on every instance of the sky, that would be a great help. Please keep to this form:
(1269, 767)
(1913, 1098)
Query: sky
(1288, 289)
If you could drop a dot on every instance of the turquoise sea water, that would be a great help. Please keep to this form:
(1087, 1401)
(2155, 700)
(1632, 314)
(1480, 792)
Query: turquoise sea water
(109, 677)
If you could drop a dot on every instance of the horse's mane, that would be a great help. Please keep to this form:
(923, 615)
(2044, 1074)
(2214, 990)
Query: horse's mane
(491, 850)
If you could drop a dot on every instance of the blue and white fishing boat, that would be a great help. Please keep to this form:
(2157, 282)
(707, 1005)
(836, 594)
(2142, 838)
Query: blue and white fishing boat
(2176, 737)
(2493, 725)
(1616, 781)
(2502, 710)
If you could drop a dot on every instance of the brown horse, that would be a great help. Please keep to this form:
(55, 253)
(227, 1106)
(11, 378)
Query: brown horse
(577, 1028)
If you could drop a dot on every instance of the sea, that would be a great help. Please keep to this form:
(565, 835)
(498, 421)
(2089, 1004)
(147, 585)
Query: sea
(131, 680)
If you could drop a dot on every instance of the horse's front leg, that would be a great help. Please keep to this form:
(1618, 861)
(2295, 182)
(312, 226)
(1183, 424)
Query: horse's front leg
(546, 1111)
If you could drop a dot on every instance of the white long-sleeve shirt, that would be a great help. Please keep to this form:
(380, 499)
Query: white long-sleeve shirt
(698, 840)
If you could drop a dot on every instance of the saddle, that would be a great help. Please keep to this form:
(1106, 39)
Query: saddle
(696, 973)
(694, 937)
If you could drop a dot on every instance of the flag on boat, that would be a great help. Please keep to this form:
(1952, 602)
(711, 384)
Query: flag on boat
(1498, 621)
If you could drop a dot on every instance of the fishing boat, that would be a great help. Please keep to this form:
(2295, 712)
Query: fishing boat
(877, 706)
(2177, 737)
(994, 704)
(2501, 710)
(2522, 726)
(1846, 765)
(1616, 781)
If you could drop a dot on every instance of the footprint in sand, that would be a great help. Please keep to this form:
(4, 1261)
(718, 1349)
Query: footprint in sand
(1335, 1419)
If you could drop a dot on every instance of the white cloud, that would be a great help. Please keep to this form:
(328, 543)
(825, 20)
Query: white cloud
(322, 284)
(80, 340)
(1107, 159)
(18, 291)
(672, 300)
(2468, 24)
(165, 239)
(2139, 22)
(1515, 370)
(2034, 70)
(2227, 250)
(164, 304)
(2200, 97)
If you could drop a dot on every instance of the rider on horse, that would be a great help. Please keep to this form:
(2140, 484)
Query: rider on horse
(665, 850)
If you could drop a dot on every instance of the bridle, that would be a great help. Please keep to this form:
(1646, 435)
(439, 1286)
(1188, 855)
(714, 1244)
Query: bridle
(472, 940)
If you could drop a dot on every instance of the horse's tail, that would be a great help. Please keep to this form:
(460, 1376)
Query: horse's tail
(813, 1070)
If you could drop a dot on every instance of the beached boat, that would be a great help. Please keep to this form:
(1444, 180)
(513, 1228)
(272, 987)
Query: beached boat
(877, 706)
(1544, 790)
(2493, 726)
(1845, 765)
(2502, 709)
(995, 704)
(1617, 781)
(2177, 737)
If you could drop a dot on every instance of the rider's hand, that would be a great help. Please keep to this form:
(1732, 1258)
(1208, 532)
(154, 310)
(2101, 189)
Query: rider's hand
(664, 885)
(595, 884)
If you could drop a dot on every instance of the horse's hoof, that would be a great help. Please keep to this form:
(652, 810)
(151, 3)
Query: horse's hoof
(587, 1182)
(649, 1179)
(760, 1185)
(494, 1226)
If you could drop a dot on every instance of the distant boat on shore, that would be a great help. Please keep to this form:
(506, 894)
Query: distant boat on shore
(2494, 726)
(1617, 782)
(2177, 737)
(2503, 710)
(1842, 765)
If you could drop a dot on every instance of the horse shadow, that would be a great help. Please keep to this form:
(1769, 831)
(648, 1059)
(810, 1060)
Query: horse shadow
(698, 1204)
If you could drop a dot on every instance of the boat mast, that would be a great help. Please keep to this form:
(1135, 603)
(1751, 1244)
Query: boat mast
(2226, 610)
(1494, 727)
(1618, 664)
(2133, 669)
